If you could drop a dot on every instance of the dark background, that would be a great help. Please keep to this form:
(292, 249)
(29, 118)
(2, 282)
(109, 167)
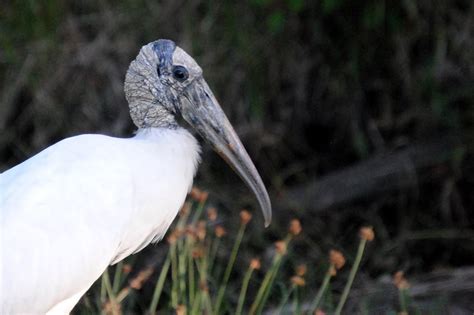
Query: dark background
(354, 112)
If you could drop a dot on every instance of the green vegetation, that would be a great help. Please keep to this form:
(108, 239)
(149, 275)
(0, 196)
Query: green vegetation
(198, 270)
(313, 88)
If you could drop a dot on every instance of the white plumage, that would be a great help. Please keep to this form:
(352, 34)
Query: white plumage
(90, 201)
(94, 200)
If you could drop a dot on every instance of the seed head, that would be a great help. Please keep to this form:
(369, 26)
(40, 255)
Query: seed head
(181, 310)
(219, 231)
(280, 247)
(298, 281)
(367, 233)
(336, 258)
(301, 270)
(201, 230)
(197, 252)
(400, 281)
(204, 196)
(137, 282)
(190, 231)
(185, 209)
(172, 238)
(255, 264)
(212, 214)
(245, 217)
(195, 193)
(112, 308)
(126, 269)
(295, 227)
(198, 194)
(319, 312)
(179, 232)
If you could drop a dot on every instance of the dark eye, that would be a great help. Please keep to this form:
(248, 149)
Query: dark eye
(180, 73)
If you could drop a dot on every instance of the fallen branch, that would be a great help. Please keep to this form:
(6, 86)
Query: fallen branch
(379, 174)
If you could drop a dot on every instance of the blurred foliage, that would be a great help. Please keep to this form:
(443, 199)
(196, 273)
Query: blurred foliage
(190, 274)
(311, 87)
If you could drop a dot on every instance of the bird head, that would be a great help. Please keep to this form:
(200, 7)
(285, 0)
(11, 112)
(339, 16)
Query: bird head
(164, 82)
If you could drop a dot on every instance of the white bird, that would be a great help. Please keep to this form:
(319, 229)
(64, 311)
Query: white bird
(89, 201)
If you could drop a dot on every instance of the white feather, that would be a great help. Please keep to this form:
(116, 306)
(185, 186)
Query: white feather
(82, 204)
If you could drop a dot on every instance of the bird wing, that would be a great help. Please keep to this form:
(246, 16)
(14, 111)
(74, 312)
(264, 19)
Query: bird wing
(82, 204)
(57, 230)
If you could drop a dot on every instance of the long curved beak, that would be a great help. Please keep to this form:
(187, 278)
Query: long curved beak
(202, 111)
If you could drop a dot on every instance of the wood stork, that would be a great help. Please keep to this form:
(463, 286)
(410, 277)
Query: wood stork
(89, 201)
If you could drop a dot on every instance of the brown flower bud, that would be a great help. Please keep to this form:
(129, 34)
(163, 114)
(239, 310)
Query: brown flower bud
(367, 233)
(112, 308)
(336, 258)
(181, 310)
(126, 269)
(190, 231)
(198, 194)
(178, 232)
(204, 196)
(332, 270)
(280, 247)
(172, 238)
(195, 193)
(295, 227)
(201, 230)
(212, 214)
(137, 282)
(400, 281)
(245, 217)
(255, 264)
(185, 209)
(397, 277)
(219, 231)
(319, 312)
(301, 270)
(197, 252)
(298, 281)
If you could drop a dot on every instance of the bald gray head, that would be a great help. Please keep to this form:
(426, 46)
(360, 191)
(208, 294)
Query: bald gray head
(163, 82)
(154, 82)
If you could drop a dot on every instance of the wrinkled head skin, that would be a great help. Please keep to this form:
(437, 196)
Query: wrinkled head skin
(164, 82)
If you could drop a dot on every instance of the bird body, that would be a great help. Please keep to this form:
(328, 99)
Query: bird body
(108, 197)
(89, 201)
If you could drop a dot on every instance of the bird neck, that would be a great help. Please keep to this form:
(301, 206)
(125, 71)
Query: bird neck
(146, 114)
(179, 141)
